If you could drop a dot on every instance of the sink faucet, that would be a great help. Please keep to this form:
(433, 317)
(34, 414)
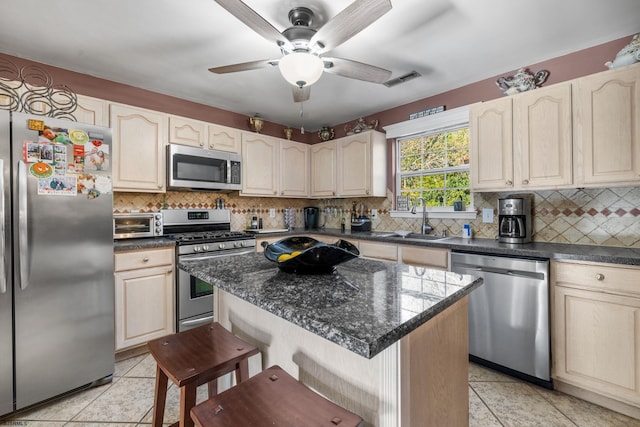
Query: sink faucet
(426, 228)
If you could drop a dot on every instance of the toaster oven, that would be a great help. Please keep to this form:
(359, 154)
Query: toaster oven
(137, 225)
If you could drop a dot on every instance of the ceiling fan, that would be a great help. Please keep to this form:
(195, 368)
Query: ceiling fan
(303, 47)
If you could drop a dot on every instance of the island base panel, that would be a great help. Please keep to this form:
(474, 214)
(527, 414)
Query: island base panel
(434, 365)
(425, 374)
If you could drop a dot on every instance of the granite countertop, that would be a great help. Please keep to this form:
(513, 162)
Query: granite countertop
(364, 305)
(555, 251)
(143, 243)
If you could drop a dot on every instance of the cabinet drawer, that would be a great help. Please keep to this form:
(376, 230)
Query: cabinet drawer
(378, 251)
(602, 277)
(143, 259)
(427, 257)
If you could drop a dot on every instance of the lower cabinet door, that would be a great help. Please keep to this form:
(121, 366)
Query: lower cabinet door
(144, 305)
(596, 342)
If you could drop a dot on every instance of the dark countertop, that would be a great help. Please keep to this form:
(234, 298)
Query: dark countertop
(364, 306)
(555, 251)
(144, 243)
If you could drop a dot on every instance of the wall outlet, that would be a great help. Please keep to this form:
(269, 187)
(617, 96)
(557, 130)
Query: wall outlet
(374, 213)
(272, 213)
(487, 215)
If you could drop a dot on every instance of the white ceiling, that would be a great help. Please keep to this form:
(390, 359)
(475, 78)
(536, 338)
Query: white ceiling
(167, 46)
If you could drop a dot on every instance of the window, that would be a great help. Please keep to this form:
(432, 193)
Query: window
(434, 166)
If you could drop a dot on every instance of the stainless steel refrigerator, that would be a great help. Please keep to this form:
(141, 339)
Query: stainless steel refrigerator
(56, 274)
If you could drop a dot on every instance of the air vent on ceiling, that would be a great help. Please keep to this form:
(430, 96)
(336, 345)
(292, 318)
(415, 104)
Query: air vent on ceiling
(402, 79)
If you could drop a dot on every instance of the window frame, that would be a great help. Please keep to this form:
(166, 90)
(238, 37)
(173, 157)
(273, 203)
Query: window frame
(441, 122)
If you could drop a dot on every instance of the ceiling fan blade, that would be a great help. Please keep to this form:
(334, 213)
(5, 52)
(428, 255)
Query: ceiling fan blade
(356, 70)
(349, 22)
(254, 21)
(301, 94)
(244, 66)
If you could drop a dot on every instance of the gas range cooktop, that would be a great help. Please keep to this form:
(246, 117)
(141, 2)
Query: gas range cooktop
(208, 236)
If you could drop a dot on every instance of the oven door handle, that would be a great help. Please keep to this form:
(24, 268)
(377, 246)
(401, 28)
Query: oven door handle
(214, 255)
(197, 322)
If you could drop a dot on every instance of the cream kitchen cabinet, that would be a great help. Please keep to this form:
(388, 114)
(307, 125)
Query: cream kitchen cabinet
(92, 111)
(362, 165)
(424, 256)
(144, 296)
(200, 134)
(608, 127)
(324, 169)
(259, 165)
(491, 145)
(139, 140)
(596, 331)
(294, 169)
(274, 167)
(523, 142)
(187, 132)
(224, 138)
(377, 250)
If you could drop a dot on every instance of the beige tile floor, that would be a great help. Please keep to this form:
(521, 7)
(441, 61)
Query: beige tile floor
(495, 400)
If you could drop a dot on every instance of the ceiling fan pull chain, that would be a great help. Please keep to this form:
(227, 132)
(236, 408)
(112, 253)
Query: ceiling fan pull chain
(302, 118)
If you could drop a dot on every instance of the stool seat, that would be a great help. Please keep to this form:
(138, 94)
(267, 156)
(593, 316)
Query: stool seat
(195, 357)
(271, 398)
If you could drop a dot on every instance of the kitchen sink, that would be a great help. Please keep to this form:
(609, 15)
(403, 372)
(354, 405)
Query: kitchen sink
(409, 236)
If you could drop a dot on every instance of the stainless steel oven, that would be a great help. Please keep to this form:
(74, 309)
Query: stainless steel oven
(201, 234)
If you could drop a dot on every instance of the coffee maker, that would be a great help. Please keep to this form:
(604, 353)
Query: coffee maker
(514, 220)
(311, 217)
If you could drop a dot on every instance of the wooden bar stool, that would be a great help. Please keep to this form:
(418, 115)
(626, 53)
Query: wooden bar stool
(271, 398)
(195, 357)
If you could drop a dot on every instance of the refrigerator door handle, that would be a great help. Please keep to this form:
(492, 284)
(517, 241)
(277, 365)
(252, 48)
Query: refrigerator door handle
(3, 270)
(22, 225)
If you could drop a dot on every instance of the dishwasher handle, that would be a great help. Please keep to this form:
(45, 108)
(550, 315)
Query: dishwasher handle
(482, 269)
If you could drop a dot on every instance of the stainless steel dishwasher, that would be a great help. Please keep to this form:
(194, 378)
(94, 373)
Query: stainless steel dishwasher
(509, 314)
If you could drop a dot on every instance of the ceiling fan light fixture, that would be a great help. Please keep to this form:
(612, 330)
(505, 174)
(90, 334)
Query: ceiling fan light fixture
(301, 68)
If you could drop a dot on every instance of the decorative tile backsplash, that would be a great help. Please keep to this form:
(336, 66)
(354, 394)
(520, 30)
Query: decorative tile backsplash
(608, 217)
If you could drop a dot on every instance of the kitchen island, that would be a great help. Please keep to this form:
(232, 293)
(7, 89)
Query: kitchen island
(386, 341)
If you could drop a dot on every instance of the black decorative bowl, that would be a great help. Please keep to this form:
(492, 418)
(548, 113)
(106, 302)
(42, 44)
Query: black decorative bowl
(305, 255)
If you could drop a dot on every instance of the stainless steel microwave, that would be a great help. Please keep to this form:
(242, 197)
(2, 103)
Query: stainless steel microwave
(195, 168)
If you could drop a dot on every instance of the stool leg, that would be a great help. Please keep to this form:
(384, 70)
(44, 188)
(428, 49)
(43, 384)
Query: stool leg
(187, 401)
(242, 370)
(213, 388)
(160, 397)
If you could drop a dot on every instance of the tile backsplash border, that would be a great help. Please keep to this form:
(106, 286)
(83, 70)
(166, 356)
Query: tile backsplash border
(606, 217)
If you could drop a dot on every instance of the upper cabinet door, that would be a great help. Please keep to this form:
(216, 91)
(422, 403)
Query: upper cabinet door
(323, 169)
(92, 111)
(491, 162)
(139, 140)
(259, 165)
(187, 132)
(543, 145)
(608, 126)
(354, 165)
(224, 138)
(294, 169)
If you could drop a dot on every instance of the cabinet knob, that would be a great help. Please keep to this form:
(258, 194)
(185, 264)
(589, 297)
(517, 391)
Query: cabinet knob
(202, 144)
(509, 182)
(169, 271)
(145, 259)
(333, 193)
(599, 276)
(211, 146)
(159, 185)
(525, 181)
